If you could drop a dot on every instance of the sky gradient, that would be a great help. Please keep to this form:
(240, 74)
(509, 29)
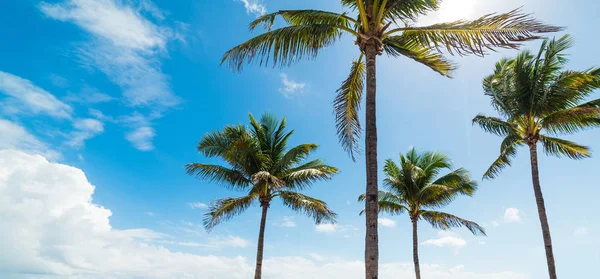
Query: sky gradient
(102, 103)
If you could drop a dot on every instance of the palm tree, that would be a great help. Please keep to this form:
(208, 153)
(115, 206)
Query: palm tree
(415, 188)
(379, 26)
(537, 101)
(261, 166)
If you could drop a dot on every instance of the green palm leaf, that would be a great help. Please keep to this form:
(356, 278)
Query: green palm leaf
(224, 209)
(493, 125)
(283, 46)
(445, 221)
(508, 150)
(402, 46)
(346, 107)
(475, 37)
(231, 178)
(303, 17)
(560, 147)
(311, 207)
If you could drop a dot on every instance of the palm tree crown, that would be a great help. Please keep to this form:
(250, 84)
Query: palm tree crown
(417, 188)
(260, 165)
(539, 100)
(387, 25)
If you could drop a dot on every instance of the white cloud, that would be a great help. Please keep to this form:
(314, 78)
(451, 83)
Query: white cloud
(50, 226)
(151, 214)
(88, 95)
(326, 228)
(84, 129)
(345, 231)
(229, 241)
(581, 231)
(301, 267)
(59, 81)
(214, 243)
(387, 222)
(511, 215)
(120, 24)
(446, 239)
(141, 138)
(25, 94)
(15, 136)
(288, 222)
(197, 205)
(291, 88)
(254, 7)
(127, 47)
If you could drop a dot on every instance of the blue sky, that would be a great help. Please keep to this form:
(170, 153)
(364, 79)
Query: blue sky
(122, 91)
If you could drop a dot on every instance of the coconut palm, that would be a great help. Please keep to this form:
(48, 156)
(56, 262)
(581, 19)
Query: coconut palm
(417, 188)
(260, 165)
(379, 26)
(539, 100)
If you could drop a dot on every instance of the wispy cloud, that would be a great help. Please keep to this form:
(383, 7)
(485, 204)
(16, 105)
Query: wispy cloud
(88, 95)
(197, 205)
(141, 138)
(290, 87)
(287, 222)
(84, 129)
(255, 7)
(25, 96)
(15, 136)
(581, 231)
(511, 215)
(387, 222)
(127, 46)
(446, 239)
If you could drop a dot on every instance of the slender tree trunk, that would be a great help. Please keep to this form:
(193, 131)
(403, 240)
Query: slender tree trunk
(371, 206)
(539, 199)
(261, 241)
(416, 248)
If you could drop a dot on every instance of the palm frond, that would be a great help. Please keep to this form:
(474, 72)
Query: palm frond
(302, 17)
(559, 147)
(304, 176)
(283, 46)
(346, 106)
(569, 88)
(224, 209)
(426, 55)
(508, 150)
(295, 155)
(264, 177)
(314, 208)
(388, 203)
(230, 178)
(572, 120)
(219, 143)
(445, 221)
(409, 10)
(486, 33)
(493, 125)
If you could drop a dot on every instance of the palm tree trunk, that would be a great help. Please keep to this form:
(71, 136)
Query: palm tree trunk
(371, 206)
(416, 249)
(539, 199)
(261, 241)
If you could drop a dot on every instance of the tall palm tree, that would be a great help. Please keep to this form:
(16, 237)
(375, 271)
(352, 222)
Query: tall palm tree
(538, 100)
(379, 26)
(416, 188)
(261, 166)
